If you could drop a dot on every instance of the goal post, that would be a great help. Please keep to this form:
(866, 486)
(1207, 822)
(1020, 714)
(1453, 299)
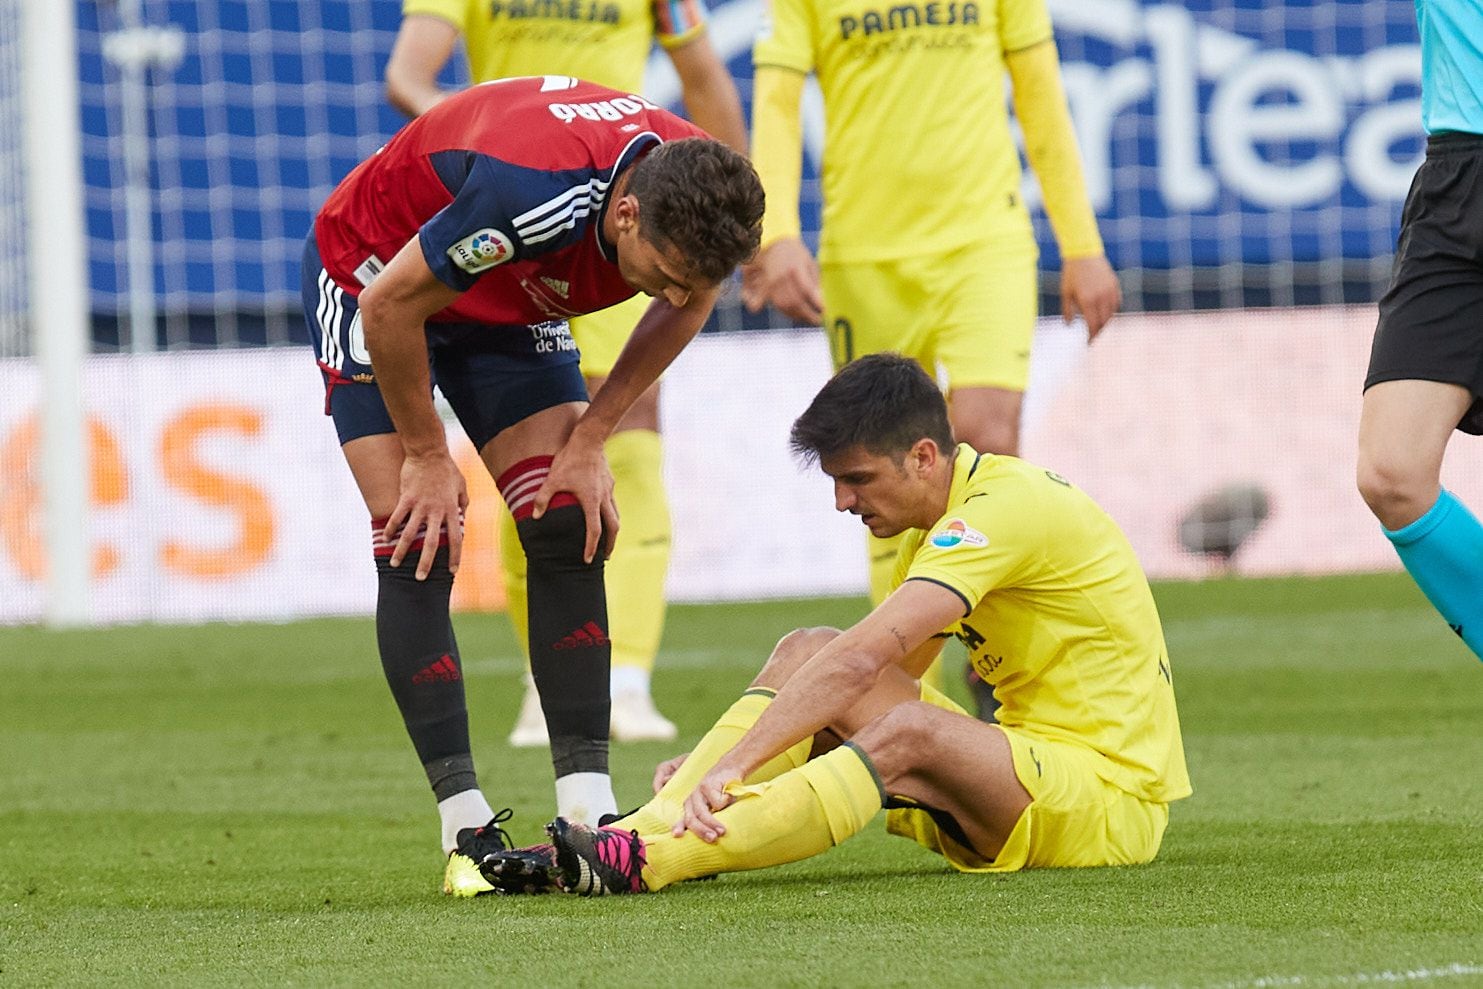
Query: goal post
(57, 290)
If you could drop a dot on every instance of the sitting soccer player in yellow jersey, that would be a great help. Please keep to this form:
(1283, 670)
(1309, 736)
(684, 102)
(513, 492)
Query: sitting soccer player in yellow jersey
(1046, 593)
(608, 43)
(926, 247)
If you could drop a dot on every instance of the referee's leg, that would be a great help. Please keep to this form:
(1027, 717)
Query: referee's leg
(1405, 426)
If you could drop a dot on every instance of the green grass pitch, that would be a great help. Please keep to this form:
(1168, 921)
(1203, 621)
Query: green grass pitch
(239, 805)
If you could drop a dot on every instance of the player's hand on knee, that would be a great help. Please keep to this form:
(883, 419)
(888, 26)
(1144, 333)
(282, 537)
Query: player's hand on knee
(666, 770)
(1090, 289)
(433, 494)
(708, 797)
(581, 470)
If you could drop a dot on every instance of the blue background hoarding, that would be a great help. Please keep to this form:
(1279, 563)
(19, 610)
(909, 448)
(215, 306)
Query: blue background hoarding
(1233, 138)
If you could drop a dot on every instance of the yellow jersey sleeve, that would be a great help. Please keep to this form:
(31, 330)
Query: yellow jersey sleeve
(785, 37)
(455, 12)
(1023, 23)
(1050, 144)
(777, 148)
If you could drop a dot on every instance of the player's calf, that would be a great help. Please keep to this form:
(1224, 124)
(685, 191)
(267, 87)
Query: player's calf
(570, 654)
(419, 657)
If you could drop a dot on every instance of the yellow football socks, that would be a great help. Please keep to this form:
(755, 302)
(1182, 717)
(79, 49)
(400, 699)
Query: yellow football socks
(512, 565)
(636, 571)
(798, 814)
(660, 813)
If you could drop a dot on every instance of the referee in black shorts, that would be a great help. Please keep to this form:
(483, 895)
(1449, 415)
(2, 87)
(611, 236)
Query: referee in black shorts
(1426, 365)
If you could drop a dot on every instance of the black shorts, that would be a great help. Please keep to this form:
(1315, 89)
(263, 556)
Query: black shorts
(1431, 317)
(492, 376)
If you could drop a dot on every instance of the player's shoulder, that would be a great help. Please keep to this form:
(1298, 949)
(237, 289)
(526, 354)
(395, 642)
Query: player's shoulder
(1003, 493)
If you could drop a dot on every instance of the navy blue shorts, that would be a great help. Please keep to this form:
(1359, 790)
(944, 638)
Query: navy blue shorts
(492, 376)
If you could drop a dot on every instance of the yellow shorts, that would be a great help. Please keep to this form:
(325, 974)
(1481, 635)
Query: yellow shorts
(969, 313)
(600, 336)
(1075, 817)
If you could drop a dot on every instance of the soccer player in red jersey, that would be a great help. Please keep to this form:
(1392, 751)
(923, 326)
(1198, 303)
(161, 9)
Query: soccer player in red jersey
(453, 257)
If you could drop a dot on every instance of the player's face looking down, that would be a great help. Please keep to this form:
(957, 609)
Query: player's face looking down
(659, 272)
(890, 492)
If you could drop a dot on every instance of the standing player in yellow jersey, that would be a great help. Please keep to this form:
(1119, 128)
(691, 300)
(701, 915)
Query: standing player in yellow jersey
(926, 247)
(607, 42)
(1057, 615)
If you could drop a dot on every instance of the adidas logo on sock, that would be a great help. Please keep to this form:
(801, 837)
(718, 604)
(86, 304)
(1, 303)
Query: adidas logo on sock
(444, 670)
(590, 634)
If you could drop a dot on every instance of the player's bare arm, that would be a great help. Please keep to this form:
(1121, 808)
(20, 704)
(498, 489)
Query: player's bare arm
(1089, 287)
(579, 467)
(824, 690)
(393, 312)
(709, 92)
(424, 44)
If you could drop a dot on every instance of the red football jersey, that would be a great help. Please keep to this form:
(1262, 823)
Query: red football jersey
(505, 186)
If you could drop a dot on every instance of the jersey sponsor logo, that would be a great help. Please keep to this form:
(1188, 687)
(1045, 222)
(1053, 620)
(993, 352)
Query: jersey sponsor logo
(958, 533)
(586, 11)
(616, 109)
(481, 250)
(560, 286)
(907, 15)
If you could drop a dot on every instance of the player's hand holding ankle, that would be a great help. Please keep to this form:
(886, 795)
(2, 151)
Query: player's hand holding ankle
(433, 494)
(666, 770)
(708, 797)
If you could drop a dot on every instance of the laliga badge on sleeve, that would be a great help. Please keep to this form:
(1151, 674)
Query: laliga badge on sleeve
(481, 250)
(957, 533)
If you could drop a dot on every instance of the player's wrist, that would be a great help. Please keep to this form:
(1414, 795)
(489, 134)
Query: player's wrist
(427, 453)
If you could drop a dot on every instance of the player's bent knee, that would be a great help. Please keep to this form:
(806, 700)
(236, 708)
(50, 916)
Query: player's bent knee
(791, 652)
(898, 741)
(992, 437)
(556, 539)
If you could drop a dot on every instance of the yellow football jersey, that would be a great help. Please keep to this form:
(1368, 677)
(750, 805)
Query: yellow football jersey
(1058, 617)
(918, 154)
(602, 41)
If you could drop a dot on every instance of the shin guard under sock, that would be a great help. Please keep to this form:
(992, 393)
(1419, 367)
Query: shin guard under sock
(420, 659)
(570, 652)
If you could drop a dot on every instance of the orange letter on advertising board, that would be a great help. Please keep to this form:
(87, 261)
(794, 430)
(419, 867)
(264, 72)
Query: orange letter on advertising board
(184, 472)
(480, 585)
(20, 494)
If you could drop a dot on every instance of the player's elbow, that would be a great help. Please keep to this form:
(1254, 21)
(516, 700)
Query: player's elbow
(402, 92)
(395, 97)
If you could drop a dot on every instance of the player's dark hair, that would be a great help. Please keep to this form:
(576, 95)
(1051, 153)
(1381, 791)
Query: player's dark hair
(881, 402)
(702, 198)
